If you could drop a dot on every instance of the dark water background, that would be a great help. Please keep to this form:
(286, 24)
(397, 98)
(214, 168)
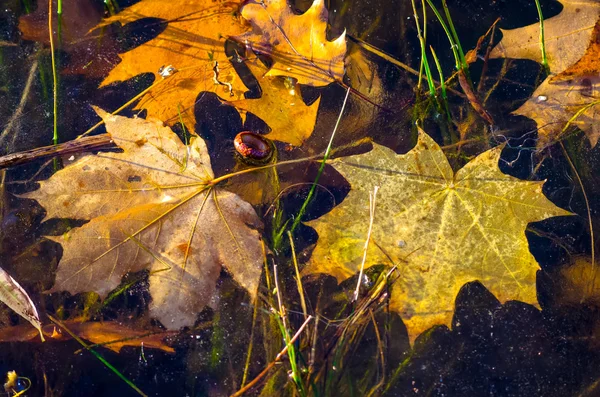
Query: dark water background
(493, 349)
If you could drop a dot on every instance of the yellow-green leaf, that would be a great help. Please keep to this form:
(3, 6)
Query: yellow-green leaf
(441, 228)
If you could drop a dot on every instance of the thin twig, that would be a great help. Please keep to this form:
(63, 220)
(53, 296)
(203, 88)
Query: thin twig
(589, 216)
(298, 278)
(282, 313)
(311, 192)
(54, 76)
(87, 144)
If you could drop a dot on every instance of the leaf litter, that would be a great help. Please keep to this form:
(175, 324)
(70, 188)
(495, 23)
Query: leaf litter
(154, 206)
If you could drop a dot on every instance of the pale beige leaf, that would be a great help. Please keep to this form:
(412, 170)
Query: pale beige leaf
(554, 104)
(15, 297)
(151, 207)
(566, 36)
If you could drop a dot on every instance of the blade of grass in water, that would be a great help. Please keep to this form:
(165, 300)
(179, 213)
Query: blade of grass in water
(461, 53)
(459, 57)
(442, 82)
(542, 39)
(54, 75)
(424, 62)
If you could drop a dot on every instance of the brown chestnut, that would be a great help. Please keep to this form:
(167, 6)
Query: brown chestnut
(253, 148)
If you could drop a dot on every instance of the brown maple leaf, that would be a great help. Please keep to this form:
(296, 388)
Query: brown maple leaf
(566, 36)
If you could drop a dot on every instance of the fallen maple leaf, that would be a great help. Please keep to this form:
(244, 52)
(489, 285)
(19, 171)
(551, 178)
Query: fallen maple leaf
(557, 101)
(296, 43)
(442, 229)
(193, 40)
(92, 56)
(152, 207)
(566, 36)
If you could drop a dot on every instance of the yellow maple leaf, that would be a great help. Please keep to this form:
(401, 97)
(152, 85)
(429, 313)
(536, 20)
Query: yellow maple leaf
(281, 107)
(442, 229)
(297, 43)
(192, 41)
(566, 36)
(152, 207)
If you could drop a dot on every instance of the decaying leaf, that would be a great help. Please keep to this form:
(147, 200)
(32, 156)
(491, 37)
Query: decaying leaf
(558, 99)
(152, 207)
(566, 36)
(297, 43)
(111, 335)
(193, 40)
(92, 56)
(579, 283)
(15, 297)
(442, 229)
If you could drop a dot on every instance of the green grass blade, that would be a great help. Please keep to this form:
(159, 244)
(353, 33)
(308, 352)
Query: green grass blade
(542, 37)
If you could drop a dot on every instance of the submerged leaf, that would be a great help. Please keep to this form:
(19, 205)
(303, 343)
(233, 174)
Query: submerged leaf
(111, 335)
(15, 297)
(152, 207)
(442, 229)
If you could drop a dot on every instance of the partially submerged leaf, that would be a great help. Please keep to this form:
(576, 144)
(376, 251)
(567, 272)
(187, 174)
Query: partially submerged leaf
(151, 207)
(557, 101)
(566, 36)
(15, 297)
(442, 229)
(297, 43)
